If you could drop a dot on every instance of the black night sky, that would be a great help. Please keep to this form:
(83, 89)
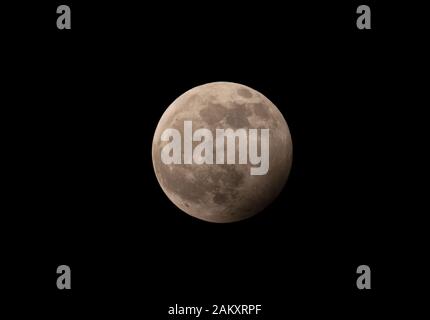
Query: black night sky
(85, 106)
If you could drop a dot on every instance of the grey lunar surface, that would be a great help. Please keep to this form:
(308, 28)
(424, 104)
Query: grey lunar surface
(223, 192)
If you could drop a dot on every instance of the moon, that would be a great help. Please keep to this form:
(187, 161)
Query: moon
(223, 193)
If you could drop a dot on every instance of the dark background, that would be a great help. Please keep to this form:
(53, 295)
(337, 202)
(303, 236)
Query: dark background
(85, 106)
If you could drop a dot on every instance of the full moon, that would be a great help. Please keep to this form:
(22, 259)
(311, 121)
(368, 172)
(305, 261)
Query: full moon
(223, 192)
